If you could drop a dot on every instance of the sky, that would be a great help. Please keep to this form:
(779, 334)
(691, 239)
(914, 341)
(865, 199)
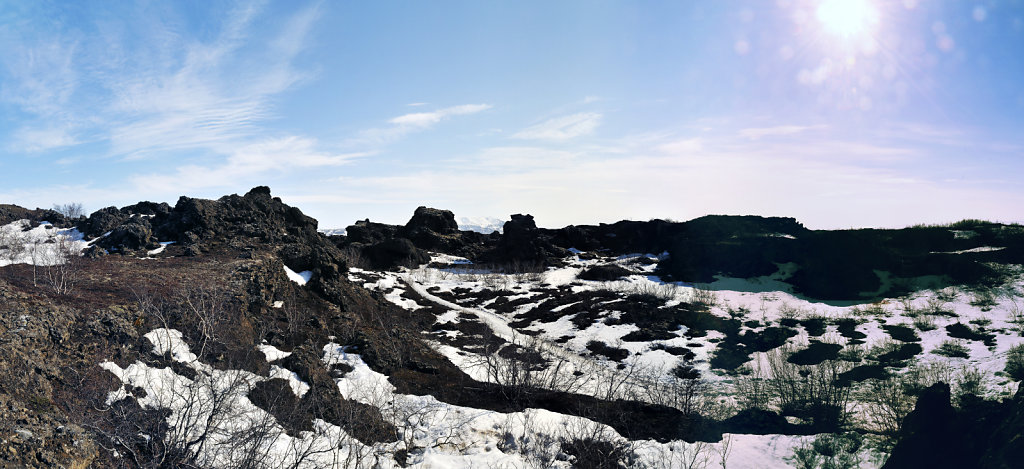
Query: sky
(840, 113)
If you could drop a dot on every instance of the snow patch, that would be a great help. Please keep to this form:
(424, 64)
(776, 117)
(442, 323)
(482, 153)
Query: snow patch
(272, 353)
(300, 278)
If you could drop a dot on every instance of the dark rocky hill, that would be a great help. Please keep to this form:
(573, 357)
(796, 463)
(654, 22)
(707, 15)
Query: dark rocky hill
(222, 283)
(840, 265)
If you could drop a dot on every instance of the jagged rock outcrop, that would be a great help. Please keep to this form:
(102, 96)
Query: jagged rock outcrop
(433, 229)
(132, 235)
(256, 220)
(102, 221)
(523, 243)
(435, 220)
(980, 434)
(395, 252)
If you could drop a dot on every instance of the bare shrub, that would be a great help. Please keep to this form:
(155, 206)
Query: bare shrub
(953, 348)
(72, 210)
(752, 389)
(829, 451)
(812, 392)
(885, 403)
(703, 297)
(62, 264)
(1015, 362)
(682, 388)
(354, 257)
(593, 445)
(521, 433)
(724, 450)
(529, 363)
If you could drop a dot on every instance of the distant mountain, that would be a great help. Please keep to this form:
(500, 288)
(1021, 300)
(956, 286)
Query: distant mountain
(333, 231)
(485, 225)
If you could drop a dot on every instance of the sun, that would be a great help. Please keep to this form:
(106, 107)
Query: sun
(847, 18)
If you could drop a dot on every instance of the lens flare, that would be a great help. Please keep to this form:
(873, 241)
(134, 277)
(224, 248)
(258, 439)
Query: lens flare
(847, 18)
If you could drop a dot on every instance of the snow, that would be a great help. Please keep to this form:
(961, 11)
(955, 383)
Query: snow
(170, 341)
(462, 437)
(485, 225)
(361, 380)
(43, 245)
(300, 278)
(272, 353)
(299, 387)
(562, 276)
(160, 249)
(446, 436)
(977, 249)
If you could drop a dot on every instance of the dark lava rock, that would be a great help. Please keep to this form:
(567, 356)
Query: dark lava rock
(148, 208)
(438, 221)
(102, 221)
(605, 272)
(980, 434)
(131, 236)
(395, 252)
(94, 252)
(522, 243)
(368, 232)
(433, 229)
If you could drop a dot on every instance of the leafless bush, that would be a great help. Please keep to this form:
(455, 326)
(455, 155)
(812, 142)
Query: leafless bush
(72, 210)
(703, 297)
(354, 257)
(788, 311)
(1016, 315)
(522, 434)
(12, 244)
(752, 389)
(594, 445)
(62, 264)
(529, 363)
(813, 392)
(885, 403)
(681, 388)
(658, 292)
(680, 455)
(724, 450)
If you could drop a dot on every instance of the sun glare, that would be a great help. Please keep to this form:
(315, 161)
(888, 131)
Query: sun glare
(847, 18)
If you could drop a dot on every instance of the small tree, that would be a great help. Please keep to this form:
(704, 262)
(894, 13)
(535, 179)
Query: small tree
(62, 264)
(71, 210)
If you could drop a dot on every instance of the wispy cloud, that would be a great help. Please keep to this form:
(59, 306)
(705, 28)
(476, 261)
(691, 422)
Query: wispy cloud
(427, 119)
(663, 175)
(681, 147)
(146, 89)
(246, 165)
(33, 140)
(41, 80)
(562, 128)
(413, 122)
(214, 95)
(781, 130)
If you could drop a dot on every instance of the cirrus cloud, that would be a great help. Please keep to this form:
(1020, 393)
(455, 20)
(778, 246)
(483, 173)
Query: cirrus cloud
(562, 128)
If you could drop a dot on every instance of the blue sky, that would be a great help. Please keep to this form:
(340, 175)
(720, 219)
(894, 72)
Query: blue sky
(841, 113)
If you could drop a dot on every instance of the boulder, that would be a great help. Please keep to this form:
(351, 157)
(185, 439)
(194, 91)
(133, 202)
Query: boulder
(438, 221)
(102, 221)
(605, 273)
(395, 252)
(134, 235)
(368, 232)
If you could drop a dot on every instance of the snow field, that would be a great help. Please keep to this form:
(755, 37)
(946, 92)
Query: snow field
(43, 245)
